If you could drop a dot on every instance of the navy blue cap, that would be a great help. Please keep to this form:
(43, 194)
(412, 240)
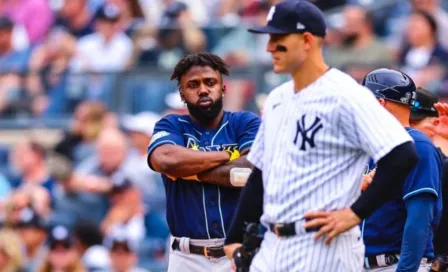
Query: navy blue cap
(30, 219)
(294, 16)
(108, 12)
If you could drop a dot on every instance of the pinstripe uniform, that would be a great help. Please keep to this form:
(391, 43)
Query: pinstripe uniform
(312, 147)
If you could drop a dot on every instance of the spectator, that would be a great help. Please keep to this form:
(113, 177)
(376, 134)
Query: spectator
(72, 203)
(108, 49)
(126, 212)
(11, 255)
(359, 44)
(441, 17)
(140, 128)
(123, 253)
(178, 35)
(422, 57)
(12, 64)
(48, 64)
(29, 159)
(79, 144)
(34, 15)
(62, 255)
(32, 230)
(76, 18)
(239, 47)
(5, 191)
(131, 14)
(88, 241)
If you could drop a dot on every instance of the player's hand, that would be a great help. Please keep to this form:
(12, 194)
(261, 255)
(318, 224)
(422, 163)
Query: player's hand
(229, 249)
(367, 179)
(442, 108)
(331, 223)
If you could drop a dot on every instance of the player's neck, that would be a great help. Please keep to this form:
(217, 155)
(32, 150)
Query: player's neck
(214, 124)
(310, 71)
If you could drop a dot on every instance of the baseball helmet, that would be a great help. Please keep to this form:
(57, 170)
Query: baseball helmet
(391, 85)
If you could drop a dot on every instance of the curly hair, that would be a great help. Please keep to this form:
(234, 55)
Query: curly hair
(200, 59)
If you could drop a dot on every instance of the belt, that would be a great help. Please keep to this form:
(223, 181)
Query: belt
(209, 252)
(386, 260)
(288, 229)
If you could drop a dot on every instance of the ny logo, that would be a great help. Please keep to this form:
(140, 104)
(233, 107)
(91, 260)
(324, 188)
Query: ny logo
(270, 14)
(309, 133)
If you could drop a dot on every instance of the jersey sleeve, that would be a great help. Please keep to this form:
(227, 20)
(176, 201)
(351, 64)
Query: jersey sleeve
(369, 126)
(425, 177)
(248, 124)
(166, 131)
(256, 153)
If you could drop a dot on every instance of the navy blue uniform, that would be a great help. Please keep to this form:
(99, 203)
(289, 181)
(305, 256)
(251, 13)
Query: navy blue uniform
(194, 209)
(383, 230)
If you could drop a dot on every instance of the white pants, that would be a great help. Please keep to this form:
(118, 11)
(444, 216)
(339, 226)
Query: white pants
(184, 261)
(302, 253)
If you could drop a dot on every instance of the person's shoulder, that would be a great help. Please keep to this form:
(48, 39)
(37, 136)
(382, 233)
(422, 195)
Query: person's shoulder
(241, 115)
(418, 136)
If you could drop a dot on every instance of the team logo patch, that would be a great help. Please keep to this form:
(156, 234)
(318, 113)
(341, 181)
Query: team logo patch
(406, 98)
(159, 135)
(270, 14)
(307, 132)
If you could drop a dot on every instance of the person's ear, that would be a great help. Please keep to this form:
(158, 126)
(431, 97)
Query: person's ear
(223, 90)
(382, 102)
(181, 93)
(436, 122)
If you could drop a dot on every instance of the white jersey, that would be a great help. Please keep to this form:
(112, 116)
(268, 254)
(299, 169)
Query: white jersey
(313, 147)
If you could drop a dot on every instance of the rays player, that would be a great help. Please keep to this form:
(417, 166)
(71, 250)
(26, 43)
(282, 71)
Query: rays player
(329, 128)
(399, 235)
(195, 154)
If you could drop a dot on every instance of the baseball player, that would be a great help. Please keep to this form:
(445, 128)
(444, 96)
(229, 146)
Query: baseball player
(426, 116)
(399, 235)
(195, 154)
(316, 136)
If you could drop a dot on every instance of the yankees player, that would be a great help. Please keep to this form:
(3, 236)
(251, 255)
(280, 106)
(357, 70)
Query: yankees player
(399, 235)
(329, 127)
(195, 154)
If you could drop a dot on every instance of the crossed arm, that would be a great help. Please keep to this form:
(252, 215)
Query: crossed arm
(210, 167)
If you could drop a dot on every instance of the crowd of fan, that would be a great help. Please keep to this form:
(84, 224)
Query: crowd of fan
(90, 201)
(54, 54)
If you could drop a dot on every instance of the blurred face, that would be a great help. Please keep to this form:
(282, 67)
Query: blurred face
(106, 28)
(61, 256)
(80, 119)
(32, 237)
(202, 90)
(426, 5)
(72, 8)
(418, 31)
(427, 126)
(289, 51)
(122, 259)
(111, 152)
(5, 39)
(354, 22)
(25, 158)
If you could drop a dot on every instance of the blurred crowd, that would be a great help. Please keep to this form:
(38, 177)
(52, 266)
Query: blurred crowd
(55, 54)
(93, 185)
(89, 201)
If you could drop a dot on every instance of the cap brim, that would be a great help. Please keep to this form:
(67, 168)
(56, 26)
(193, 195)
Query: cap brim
(267, 30)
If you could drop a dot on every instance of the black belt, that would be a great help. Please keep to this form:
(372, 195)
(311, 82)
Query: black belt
(288, 229)
(389, 259)
(209, 252)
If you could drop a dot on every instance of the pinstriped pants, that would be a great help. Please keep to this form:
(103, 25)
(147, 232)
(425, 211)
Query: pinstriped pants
(302, 254)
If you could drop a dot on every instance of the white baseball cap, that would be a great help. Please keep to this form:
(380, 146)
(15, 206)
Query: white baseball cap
(174, 101)
(143, 122)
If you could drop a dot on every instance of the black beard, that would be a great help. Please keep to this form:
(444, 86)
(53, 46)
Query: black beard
(205, 116)
(350, 39)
